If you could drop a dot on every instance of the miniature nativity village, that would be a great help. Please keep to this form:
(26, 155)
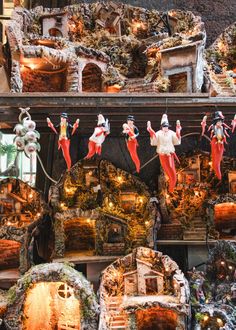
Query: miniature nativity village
(117, 168)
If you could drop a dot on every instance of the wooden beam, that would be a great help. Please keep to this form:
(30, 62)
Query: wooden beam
(104, 100)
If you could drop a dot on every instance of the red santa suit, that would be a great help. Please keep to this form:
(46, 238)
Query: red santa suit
(98, 137)
(165, 140)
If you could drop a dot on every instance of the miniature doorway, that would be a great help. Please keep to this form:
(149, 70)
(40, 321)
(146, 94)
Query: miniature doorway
(156, 319)
(51, 306)
(178, 83)
(91, 78)
(80, 236)
(151, 286)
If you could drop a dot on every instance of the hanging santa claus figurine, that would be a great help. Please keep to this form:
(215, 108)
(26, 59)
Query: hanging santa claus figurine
(65, 132)
(218, 138)
(165, 140)
(96, 140)
(131, 133)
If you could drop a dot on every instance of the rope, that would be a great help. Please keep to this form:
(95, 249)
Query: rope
(186, 135)
(45, 172)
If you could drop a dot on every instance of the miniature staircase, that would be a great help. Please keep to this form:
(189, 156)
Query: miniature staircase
(197, 231)
(140, 235)
(118, 318)
(225, 89)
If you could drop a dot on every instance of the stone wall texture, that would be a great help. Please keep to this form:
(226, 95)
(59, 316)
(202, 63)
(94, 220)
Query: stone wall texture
(216, 14)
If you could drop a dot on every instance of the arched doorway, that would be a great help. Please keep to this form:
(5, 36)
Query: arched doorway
(91, 78)
(52, 297)
(156, 318)
(60, 309)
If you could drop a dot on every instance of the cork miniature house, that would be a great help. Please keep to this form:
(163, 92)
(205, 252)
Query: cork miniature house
(22, 210)
(198, 209)
(213, 292)
(107, 208)
(144, 290)
(67, 300)
(222, 63)
(104, 47)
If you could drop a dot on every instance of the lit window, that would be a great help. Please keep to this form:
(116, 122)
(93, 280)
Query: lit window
(64, 291)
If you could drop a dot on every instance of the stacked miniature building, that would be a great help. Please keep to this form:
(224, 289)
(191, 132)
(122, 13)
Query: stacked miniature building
(99, 47)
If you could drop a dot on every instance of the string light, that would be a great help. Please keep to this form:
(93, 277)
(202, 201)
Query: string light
(206, 317)
(140, 200)
(110, 204)
(219, 321)
(120, 179)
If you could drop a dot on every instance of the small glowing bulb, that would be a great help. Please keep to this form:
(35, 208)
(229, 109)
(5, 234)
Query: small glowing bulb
(230, 267)
(62, 204)
(196, 193)
(167, 269)
(141, 200)
(110, 204)
(119, 178)
(88, 220)
(38, 214)
(90, 173)
(146, 223)
(30, 195)
(222, 263)
(219, 321)
(32, 66)
(167, 195)
(8, 223)
(210, 164)
(206, 317)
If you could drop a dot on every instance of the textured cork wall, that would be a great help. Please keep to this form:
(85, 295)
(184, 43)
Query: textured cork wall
(217, 14)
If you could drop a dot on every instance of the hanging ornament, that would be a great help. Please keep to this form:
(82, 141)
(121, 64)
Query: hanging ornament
(165, 140)
(218, 138)
(26, 136)
(65, 132)
(98, 137)
(131, 133)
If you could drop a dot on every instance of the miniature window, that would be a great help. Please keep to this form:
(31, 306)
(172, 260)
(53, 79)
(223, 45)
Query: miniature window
(151, 286)
(131, 280)
(65, 291)
(16, 164)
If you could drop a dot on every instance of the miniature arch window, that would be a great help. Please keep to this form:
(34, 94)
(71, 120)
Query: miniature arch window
(54, 32)
(65, 291)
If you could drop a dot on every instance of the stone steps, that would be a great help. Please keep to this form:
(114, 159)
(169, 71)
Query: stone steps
(226, 90)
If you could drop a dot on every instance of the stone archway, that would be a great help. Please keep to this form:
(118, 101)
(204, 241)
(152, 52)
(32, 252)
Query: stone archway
(91, 78)
(52, 296)
(157, 318)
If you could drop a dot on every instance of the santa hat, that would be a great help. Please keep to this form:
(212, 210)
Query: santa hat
(164, 121)
(101, 119)
(217, 116)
